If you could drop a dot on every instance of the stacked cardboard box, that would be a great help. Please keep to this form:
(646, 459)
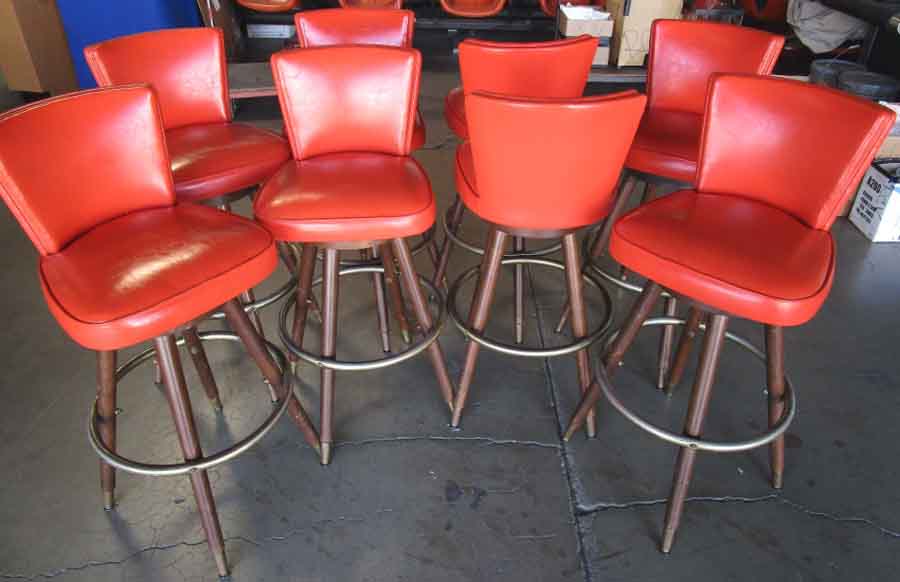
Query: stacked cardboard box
(631, 38)
(579, 20)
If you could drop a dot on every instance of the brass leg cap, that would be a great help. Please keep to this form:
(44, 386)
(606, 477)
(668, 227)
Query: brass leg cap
(216, 404)
(325, 453)
(221, 564)
(777, 480)
(668, 540)
(406, 336)
(109, 500)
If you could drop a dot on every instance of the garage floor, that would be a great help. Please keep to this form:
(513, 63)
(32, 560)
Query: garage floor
(503, 499)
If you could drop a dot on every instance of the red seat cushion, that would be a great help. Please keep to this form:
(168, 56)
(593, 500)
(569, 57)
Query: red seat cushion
(346, 197)
(455, 113)
(212, 160)
(735, 254)
(667, 144)
(418, 136)
(141, 275)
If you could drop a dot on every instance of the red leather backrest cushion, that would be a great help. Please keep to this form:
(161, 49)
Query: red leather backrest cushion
(331, 26)
(538, 163)
(555, 69)
(683, 55)
(186, 67)
(348, 98)
(796, 146)
(71, 162)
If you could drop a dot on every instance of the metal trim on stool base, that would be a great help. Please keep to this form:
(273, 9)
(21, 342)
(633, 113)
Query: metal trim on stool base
(427, 238)
(207, 461)
(516, 350)
(685, 441)
(458, 241)
(358, 366)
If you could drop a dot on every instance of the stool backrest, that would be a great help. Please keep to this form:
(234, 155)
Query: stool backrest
(684, 53)
(799, 147)
(71, 162)
(331, 26)
(349, 98)
(554, 69)
(549, 164)
(185, 66)
(371, 3)
(270, 5)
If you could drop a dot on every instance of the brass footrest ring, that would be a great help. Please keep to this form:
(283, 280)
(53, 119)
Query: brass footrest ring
(682, 440)
(516, 350)
(208, 461)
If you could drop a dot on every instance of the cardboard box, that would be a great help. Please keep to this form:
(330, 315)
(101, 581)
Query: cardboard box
(34, 54)
(632, 18)
(876, 210)
(890, 148)
(578, 20)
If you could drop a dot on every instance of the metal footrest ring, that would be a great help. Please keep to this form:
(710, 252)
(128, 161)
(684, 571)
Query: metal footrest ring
(208, 461)
(682, 440)
(357, 366)
(458, 241)
(515, 350)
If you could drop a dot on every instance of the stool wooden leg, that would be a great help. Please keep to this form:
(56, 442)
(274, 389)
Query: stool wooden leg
(253, 343)
(639, 312)
(420, 307)
(380, 303)
(519, 291)
(456, 216)
(432, 247)
(248, 297)
(775, 374)
(394, 293)
(693, 426)
(106, 420)
(579, 321)
(602, 240)
(478, 314)
(287, 257)
(304, 283)
(685, 343)
(201, 363)
(667, 338)
(329, 343)
(180, 405)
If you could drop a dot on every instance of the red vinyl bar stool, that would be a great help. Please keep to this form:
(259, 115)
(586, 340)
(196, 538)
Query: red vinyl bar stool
(752, 241)
(371, 4)
(122, 263)
(214, 160)
(556, 69)
(270, 5)
(507, 177)
(683, 54)
(385, 27)
(473, 8)
(349, 114)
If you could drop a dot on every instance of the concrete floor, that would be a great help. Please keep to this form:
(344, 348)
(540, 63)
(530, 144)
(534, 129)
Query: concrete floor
(502, 499)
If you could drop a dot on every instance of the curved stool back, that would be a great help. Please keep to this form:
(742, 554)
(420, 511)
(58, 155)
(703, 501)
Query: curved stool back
(473, 8)
(270, 5)
(371, 4)
(353, 25)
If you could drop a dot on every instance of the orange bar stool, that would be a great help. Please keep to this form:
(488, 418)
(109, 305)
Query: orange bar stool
(270, 5)
(214, 160)
(556, 69)
(385, 27)
(522, 189)
(122, 263)
(755, 176)
(683, 55)
(473, 8)
(349, 113)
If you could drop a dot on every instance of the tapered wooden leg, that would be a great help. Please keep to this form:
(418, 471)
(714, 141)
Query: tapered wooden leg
(106, 421)
(420, 307)
(685, 344)
(667, 338)
(693, 426)
(248, 297)
(304, 291)
(579, 321)
(253, 343)
(395, 295)
(201, 363)
(287, 257)
(602, 240)
(456, 216)
(775, 376)
(431, 245)
(380, 303)
(329, 344)
(478, 314)
(639, 313)
(519, 291)
(180, 405)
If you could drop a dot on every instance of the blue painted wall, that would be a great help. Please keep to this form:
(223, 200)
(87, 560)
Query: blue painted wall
(90, 21)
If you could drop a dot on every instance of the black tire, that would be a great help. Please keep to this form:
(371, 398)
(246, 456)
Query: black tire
(826, 71)
(874, 86)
